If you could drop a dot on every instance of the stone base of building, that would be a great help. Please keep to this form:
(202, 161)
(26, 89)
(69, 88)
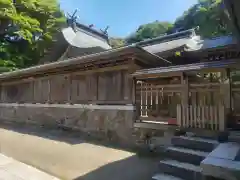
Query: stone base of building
(113, 123)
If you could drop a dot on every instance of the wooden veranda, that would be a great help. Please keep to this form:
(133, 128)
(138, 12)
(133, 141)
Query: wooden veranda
(201, 95)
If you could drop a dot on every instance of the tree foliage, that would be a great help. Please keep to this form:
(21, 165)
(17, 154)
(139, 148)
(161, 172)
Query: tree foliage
(150, 30)
(208, 15)
(27, 28)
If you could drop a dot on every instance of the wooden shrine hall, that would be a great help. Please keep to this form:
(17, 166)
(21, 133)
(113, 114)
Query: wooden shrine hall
(198, 89)
(177, 79)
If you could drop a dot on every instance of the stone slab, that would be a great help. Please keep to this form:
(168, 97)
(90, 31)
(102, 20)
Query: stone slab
(221, 168)
(11, 169)
(165, 177)
(226, 151)
(221, 163)
(85, 106)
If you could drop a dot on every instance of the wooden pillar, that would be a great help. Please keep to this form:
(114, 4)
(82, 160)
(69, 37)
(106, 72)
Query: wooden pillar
(226, 86)
(185, 100)
(2, 94)
(185, 90)
(225, 90)
(134, 85)
(133, 81)
(49, 93)
(69, 86)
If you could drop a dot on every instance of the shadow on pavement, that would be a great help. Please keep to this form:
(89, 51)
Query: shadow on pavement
(132, 168)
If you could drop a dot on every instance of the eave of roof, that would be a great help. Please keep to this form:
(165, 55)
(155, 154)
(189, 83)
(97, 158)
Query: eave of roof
(168, 44)
(184, 68)
(170, 37)
(140, 54)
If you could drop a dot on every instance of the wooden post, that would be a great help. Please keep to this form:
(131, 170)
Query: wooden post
(179, 115)
(185, 98)
(222, 125)
(226, 89)
(141, 103)
(134, 98)
(2, 94)
(226, 94)
(48, 91)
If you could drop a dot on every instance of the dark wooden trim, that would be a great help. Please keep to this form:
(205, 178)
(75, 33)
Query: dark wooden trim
(72, 72)
(121, 102)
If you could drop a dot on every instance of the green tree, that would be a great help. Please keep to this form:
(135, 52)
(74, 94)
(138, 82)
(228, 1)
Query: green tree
(208, 15)
(27, 28)
(150, 30)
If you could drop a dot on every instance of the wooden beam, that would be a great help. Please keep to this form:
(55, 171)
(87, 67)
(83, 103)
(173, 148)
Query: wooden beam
(157, 75)
(99, 70)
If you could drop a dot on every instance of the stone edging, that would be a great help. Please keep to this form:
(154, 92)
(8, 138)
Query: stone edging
(83, 106)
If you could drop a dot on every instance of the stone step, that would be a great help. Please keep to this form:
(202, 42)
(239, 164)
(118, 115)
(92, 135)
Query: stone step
(182, 170)
(186, 155)
(165, 177)
(195, 143)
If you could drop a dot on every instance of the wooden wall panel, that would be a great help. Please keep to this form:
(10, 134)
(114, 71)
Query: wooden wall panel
(20, 92)
(127, 86)
(37, 91)
(114, 86)
(59, 86)
(82, 89)
(25, 92)
(11, 93)
(111, 87)
(45, 90)
(92, 87)
(102, 87)
(73, 90)
(78, 91)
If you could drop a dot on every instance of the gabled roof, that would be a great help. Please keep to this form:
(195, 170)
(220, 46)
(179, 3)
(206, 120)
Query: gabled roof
(185, 41)
(176, 41)
(83, 39)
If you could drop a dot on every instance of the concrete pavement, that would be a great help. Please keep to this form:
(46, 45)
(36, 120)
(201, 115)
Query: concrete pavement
(11, 169)
(70, 157)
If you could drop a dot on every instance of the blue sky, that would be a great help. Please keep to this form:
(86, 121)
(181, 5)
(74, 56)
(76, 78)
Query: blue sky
(124, 16)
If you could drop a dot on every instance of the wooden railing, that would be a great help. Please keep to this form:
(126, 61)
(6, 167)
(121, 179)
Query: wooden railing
(205, 117)
(157, 101)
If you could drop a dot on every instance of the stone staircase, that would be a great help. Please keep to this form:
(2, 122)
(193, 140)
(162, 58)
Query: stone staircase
(183, 158)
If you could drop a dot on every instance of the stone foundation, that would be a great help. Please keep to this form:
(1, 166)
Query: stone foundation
(113, 123)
